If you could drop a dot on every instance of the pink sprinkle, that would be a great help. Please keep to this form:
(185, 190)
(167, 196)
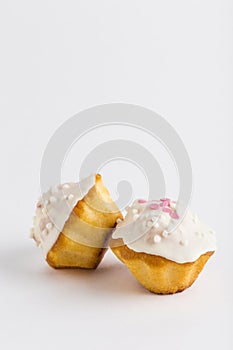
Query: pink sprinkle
(154, 206)
(167, 210)
(165, 202)
(142, 201)
(174, 215)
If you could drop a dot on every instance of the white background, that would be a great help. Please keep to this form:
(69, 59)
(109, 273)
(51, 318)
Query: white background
(60, 57)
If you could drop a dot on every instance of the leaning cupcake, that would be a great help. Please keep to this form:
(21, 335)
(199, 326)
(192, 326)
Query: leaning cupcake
(73, 223)
(164, 252)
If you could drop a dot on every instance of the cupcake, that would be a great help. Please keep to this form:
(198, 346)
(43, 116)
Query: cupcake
(165, 254)
(73, 223)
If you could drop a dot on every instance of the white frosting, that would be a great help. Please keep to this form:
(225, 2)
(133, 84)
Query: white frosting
(153, 228)
(53, 210)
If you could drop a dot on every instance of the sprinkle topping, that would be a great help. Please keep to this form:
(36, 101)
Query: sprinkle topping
(46, 202)
(154, 206)
(66, 186)
(49, 225)
(166, 205)
(167, 210)
(157, 239)
(70, 197)
(141, 201)
(165, 234)
(53, 199)
(174, 215)
(165, 202)
(184, 242)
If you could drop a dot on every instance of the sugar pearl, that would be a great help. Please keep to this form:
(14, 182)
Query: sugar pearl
(46, 202)
(195, 219)
(134, 211)
(157, 238)
(66, 186)
(118, 220)
(184, 242)
(49, 225)
(70, 197)
(156, 225)
(53, 199)
(136, 216)
(165, 234)
(55, 189)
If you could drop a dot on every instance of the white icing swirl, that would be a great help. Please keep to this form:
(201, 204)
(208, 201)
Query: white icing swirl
(53, 210)
(147, 228)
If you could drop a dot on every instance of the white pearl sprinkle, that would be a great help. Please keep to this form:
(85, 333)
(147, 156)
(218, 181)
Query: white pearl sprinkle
(136, 216)
(66, 186)
(55, 189)
(165, 234)
(149, 224)
(44, 232)
(70, 197)
(43, 211)
(135, 211)
(46, 202)
(195, 218)
(156, 225)
(53, 199)
(49, 225)
(118, 220)
(184, 242)
(157, 238)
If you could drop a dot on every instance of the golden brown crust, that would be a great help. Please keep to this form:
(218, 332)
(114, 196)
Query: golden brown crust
(160, 275)
(69, 254)
(82, 242)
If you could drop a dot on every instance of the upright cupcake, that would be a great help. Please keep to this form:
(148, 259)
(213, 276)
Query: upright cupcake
(165, 255)
(73, 223)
